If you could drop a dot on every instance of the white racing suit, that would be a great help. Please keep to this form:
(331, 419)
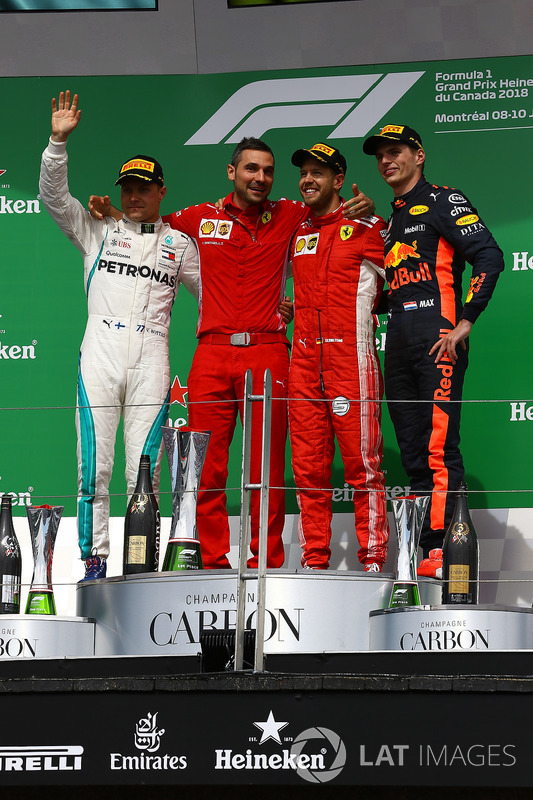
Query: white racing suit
(131, 280)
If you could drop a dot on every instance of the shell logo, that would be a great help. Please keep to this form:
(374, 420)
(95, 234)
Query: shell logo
(300, 244)
(207, 227)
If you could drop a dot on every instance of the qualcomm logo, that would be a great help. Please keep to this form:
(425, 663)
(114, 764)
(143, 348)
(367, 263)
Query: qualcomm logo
(317, 754)
(352, 104)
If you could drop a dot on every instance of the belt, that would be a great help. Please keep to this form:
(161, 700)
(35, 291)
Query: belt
(243, 339)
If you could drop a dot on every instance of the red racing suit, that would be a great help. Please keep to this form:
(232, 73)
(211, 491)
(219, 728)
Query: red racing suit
(338, 276)
(243, 266)
(432, 231)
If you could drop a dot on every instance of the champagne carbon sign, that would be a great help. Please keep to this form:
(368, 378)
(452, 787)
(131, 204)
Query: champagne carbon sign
(28, 636)
(450, 628)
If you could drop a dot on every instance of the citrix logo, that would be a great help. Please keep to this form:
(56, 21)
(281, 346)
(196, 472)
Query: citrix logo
(265, 105)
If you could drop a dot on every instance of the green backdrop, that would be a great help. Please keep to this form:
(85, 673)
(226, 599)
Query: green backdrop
(477, 138)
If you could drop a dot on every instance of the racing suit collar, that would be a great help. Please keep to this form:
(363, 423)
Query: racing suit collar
(401, 200)
(251, 211)
(327, 219)
(136, 227)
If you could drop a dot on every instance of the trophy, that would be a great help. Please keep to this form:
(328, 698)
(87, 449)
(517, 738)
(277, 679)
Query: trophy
(186, 451)
(409, 515)
(44, 522)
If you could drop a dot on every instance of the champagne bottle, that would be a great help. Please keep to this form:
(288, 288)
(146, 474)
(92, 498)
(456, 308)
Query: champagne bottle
(142, 525)
(10, 561)
(460, 555)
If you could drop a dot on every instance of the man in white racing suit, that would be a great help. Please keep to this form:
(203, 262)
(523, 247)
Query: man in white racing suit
(132, 269)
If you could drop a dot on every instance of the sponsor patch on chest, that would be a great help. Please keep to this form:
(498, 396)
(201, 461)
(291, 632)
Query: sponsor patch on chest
(215, 229)
(304, 245)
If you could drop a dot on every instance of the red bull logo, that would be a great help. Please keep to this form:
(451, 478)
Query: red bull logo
(475, 285)
(402, 276)
(400, 252)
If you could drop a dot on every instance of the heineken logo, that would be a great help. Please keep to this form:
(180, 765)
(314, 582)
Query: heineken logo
(317, 755)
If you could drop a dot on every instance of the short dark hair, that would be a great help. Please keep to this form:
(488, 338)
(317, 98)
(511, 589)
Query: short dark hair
(249, 143)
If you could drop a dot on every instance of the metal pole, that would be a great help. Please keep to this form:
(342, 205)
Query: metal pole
(263, 525)
(244, 534)
(246, 489)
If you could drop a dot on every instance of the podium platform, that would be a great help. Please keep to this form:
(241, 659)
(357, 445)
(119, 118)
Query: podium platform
(166, 613)
(33, 636)
(448, 628)
(327, 710)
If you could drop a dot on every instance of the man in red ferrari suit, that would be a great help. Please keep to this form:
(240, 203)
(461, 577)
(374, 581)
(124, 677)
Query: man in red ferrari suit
(338, 277)
(243, 263)
(243, 248)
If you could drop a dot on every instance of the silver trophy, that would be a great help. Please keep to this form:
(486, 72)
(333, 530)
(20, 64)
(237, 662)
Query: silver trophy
(186, 451)
(409, 513)
(43, 522)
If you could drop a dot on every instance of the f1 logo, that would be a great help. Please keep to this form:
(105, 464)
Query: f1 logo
(303, 102)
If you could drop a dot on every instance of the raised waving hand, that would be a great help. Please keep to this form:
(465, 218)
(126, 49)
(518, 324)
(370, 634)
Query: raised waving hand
(65, 116)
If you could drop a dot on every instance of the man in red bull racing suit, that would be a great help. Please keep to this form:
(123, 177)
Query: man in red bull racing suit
(433, 230)
(338, 275)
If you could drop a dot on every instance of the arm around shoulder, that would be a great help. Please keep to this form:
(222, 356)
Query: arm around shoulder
(189, 274)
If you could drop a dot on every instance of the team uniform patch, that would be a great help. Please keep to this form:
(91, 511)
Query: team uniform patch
(214, 229)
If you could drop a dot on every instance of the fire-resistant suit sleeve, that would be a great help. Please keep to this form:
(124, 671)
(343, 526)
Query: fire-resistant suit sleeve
(461, 226)
(73, 219)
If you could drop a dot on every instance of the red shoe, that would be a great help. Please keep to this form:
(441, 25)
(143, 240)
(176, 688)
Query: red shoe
(431, 567)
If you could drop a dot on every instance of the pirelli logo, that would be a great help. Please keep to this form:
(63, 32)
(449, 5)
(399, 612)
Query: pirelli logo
(138, 163)
(322, 148)
(391, 129)
(45, 759)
